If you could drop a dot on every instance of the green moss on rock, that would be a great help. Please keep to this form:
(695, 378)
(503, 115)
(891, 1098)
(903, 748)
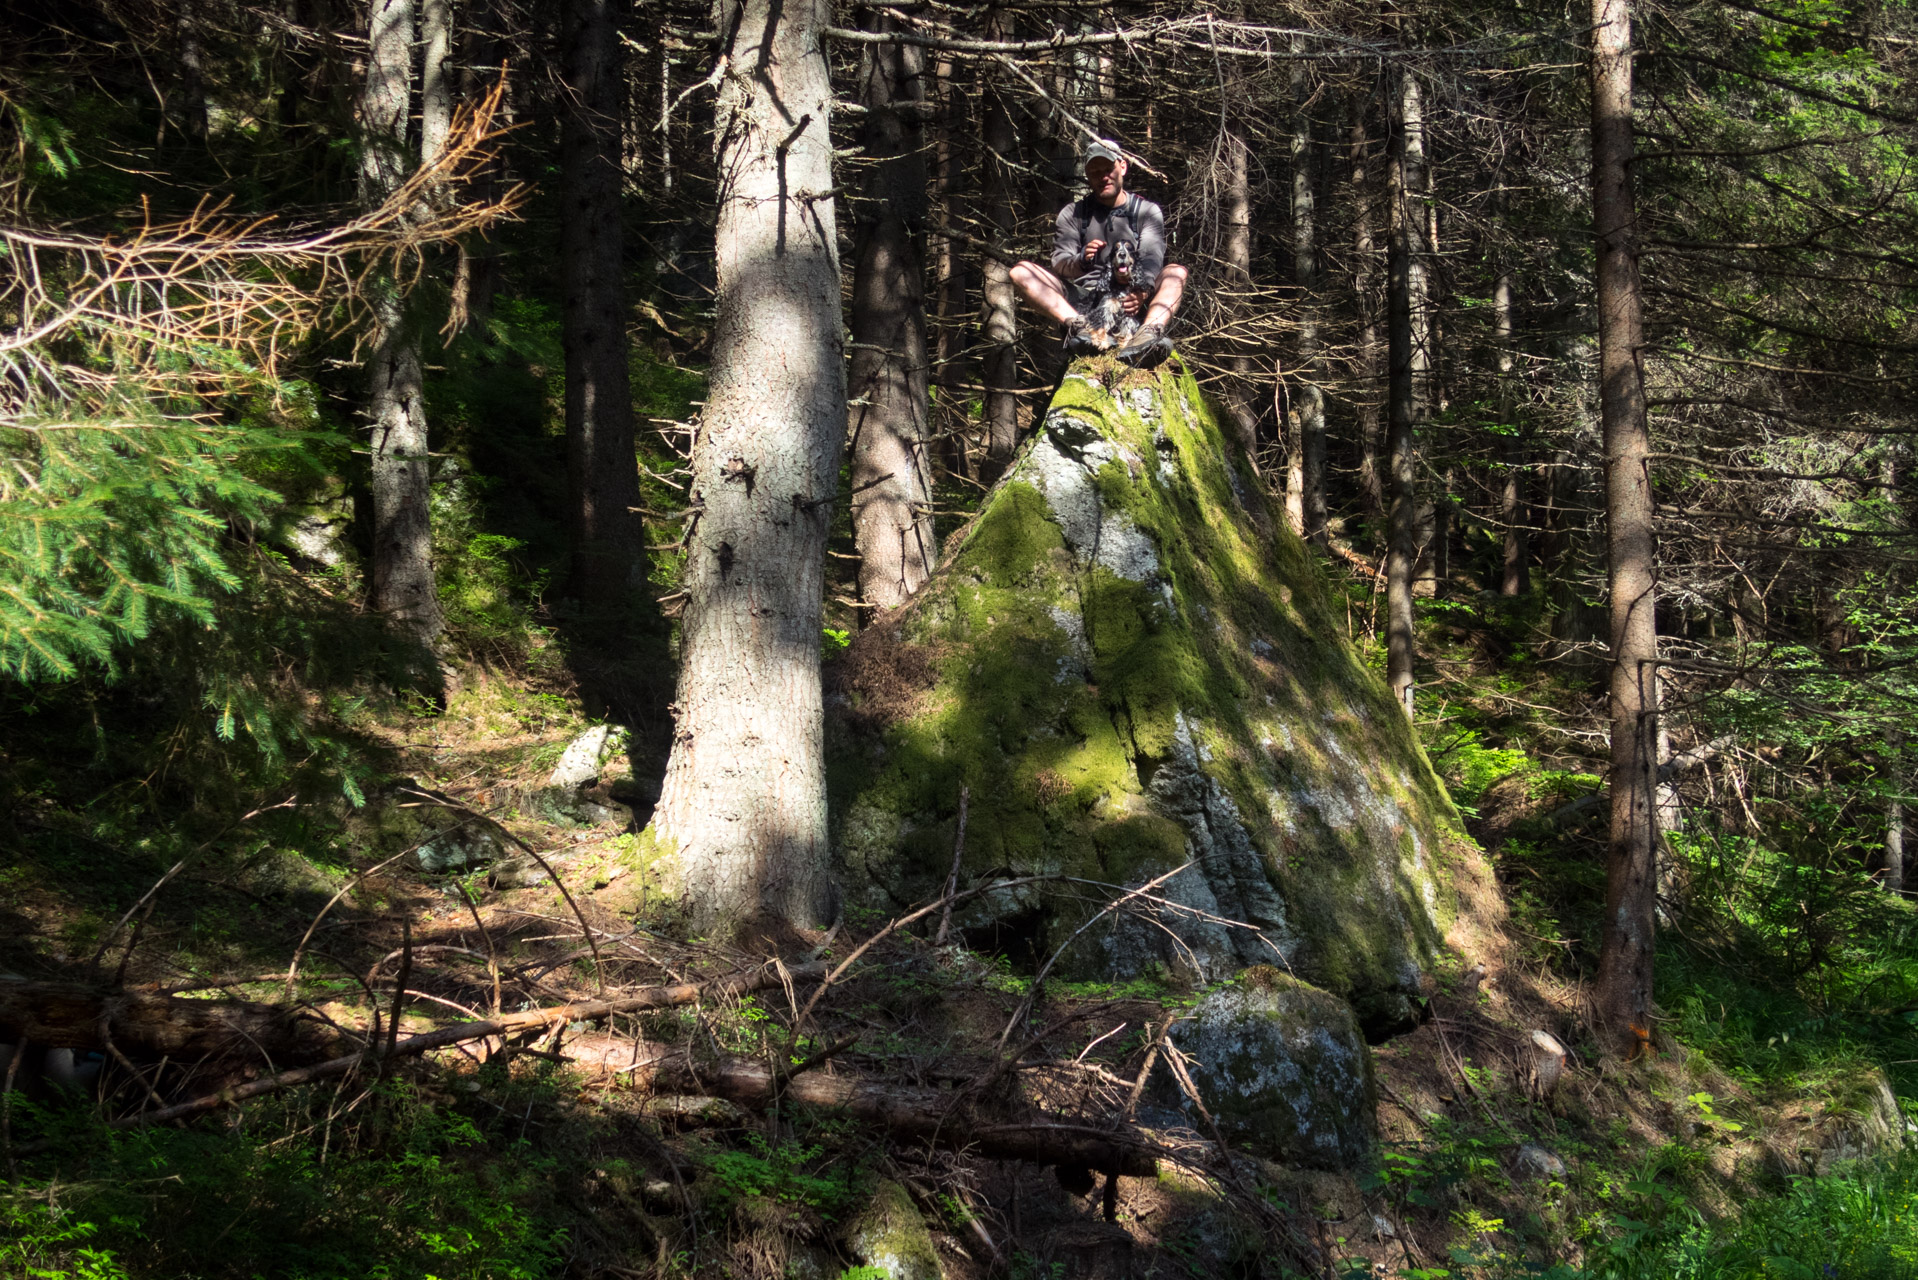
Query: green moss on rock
(1132, 664)
(890, 1236)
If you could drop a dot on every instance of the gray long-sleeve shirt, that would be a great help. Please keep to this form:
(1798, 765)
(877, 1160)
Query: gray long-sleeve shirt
(1133, 218)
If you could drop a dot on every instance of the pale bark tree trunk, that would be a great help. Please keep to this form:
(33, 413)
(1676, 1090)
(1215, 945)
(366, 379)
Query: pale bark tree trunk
(601, 465)
(1895, 821)
(1516, 579)
(1236, 252)
(403, 586)
(1364, 284)
(1309, 404)
(950, 265)
(1895, 845)
(891, 473)
(476, 278)
(665, 125)
(1001, 300)
(1623, 995)
(1408, 357)
(744, 800)
(436, 76)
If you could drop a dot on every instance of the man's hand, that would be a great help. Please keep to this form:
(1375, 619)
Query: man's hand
(1131, 303)
(1092, 250)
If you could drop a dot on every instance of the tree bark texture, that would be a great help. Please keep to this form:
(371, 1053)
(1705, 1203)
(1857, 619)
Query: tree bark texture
(1310, 401)
(192, 71)
(744, 800)
(436, 76)
(601, 466)
(1235, 252)
(1895, 819)
(891, 470)
(403, 585)
(1001, 300)
(1623, 995)
(1408, 359)
(1364, 284)
(1516, 578)
(1895, 845)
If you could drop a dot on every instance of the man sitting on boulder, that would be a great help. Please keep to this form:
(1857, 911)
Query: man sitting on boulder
(1082, 251)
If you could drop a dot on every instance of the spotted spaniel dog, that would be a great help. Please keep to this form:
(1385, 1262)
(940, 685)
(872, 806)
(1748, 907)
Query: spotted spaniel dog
(1106, 325)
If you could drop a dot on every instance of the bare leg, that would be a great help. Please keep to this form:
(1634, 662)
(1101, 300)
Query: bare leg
(1166, 298)
(1045, 292)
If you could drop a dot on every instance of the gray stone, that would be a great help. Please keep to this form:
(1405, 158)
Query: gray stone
(1281, 1066)
(1534, 1161)
(580, 762)
(1863, 1121)
(468, 847)
(889, 1234)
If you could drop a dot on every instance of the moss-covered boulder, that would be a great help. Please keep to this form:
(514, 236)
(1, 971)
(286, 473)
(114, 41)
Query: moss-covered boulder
(1282, 1068)
(1134, 667)
(890, 1236)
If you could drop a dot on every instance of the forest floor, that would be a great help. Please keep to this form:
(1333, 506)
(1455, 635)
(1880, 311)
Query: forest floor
(555, 1149)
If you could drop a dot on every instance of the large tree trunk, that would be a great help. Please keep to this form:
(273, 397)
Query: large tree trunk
(403, 586)
(1001, 300)
(1623, 997)
(1364, 278)
(601, 467)
(1408, 358)
(1310, 401)
(744, 800)
(891, 473)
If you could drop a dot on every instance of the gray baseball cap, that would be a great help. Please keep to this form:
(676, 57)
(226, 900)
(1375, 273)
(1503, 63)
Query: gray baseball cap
(1101, 149)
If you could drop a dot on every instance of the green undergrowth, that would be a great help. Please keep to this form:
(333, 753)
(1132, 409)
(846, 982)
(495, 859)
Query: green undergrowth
(1859, 1224)
(306, 1188)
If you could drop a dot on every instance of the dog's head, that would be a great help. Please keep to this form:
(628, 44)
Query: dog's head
(1122, 260)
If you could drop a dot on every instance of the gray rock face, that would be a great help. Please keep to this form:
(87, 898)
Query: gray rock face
(1142, 671)
(1227, 881)
(1281, 1065)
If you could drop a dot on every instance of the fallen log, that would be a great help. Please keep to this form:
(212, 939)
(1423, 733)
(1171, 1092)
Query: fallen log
(71, 1016)
(907, 1113)
(913, 1114)
(1690, 758)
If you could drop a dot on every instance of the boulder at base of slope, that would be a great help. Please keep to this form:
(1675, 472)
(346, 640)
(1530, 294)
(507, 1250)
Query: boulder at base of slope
(1282, 1067)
